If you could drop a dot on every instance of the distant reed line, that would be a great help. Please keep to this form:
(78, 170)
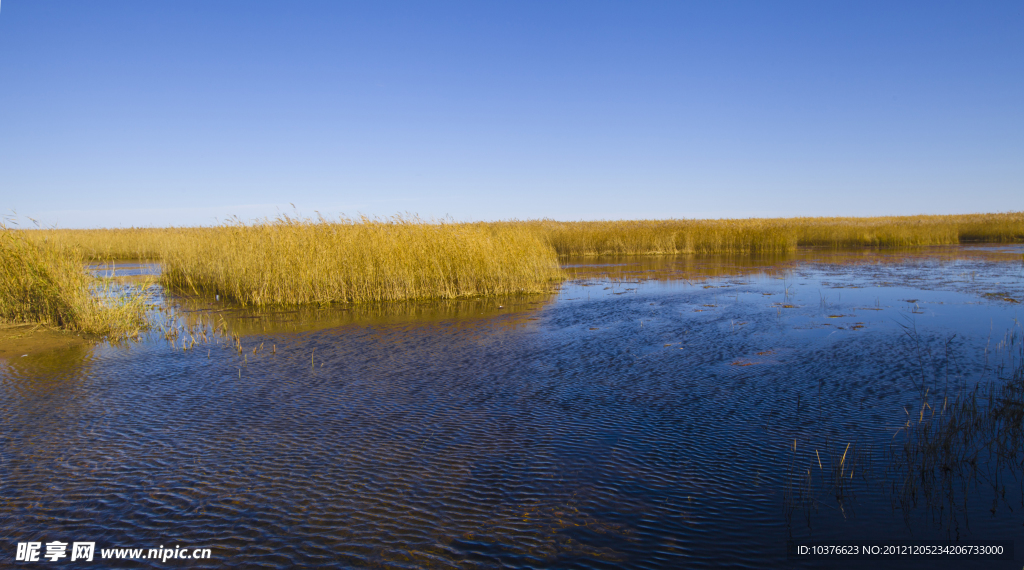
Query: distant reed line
(351, 260)
(773, 235)
(633, 237)
(963, 438)
(304, 261)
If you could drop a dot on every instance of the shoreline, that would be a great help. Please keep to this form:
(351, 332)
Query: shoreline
(28, 339)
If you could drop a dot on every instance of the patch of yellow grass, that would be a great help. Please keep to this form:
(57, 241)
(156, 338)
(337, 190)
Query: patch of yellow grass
(42, 282)
(110, 244)
(634, 237)
(773, 235)
(643, 237)
(297, 261)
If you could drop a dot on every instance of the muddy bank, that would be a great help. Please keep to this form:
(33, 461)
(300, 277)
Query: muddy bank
(17, 340)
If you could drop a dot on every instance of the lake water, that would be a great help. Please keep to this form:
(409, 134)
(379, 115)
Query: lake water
(645, 416)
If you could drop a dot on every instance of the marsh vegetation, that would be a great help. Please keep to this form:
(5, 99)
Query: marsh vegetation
(300, 261)
(293, 260)
(46, 283)
(627, 237)
(961, 438)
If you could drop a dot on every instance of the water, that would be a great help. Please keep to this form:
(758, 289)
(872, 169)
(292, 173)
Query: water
(642, 417)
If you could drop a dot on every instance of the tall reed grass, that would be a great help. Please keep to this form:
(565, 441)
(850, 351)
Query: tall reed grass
(957, 441)
(46, 283)
(635, 237)
(297, 261)
(111, 244)
(773, 235)
(642, 237)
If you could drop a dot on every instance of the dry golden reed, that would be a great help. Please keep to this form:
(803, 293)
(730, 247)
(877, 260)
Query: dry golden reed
(636, 237)
(773, 235)
(45, 283)
(297, 261)
(111, 244)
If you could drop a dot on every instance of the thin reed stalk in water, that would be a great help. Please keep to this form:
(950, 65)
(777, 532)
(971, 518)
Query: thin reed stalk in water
(632, 237)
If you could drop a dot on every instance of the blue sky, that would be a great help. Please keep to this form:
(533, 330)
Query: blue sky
(188, 112)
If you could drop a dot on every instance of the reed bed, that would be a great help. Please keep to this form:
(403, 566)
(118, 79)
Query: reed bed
(992, 228)
(773, 235)
(973, 438)
(111, 244)
(46, 283)
(907, 231)
(633, 237)
(297, 261)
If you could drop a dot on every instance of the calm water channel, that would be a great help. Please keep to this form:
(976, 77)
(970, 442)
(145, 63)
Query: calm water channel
(654, 413)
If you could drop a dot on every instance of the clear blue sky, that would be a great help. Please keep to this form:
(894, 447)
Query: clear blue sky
(120, 113)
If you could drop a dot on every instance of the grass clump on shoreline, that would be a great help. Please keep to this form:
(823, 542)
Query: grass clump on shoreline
(297, 261)
(45, 283)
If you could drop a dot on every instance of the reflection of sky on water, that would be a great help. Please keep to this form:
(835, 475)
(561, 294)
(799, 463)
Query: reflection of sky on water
(641, 417)
(124, 269)
(1013, 248)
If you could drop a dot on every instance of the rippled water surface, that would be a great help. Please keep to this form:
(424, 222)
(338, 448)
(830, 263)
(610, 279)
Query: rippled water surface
(645, 416)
